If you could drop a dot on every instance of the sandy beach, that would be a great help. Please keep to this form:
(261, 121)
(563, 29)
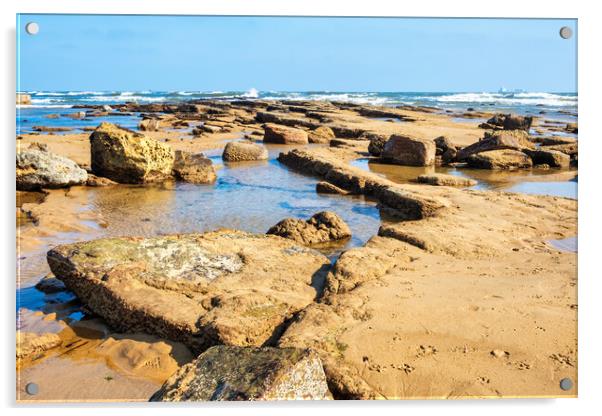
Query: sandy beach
(412, 290)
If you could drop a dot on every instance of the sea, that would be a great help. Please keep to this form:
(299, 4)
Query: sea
(556, 106)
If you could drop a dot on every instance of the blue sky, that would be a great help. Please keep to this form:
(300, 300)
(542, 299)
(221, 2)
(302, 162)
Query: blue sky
(170, 53)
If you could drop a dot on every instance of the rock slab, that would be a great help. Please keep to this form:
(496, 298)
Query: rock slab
(275, 133)
(226, 373)
(222, 287)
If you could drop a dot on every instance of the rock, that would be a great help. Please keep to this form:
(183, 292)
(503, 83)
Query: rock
(208, 128)
(552, 158)
(222, 287)
(52, 116)
(225, 373)
(323, 187)
(47, 129)
(500, 159)
(125, 156)
(512, 122)
(572, 128)
(41, 169)
(107, 108)
(23, 99)
(322, 134)
(499, 353)
(50, 284)
(78, 115)
(446, 149)
(498, 140)
(377, 143)
(42, 147)
(193, 168)
(409, 151)
(284, 135)
(570, 149)
(244, 150)
(440, 179)
(322, 227)
(149, 124)
(29, 343)
(286, 120)
(95, 181)
(551, 141)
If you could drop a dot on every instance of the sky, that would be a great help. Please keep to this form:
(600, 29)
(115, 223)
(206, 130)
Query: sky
(209, 53)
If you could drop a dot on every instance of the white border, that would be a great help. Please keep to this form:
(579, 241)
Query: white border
(590, 276)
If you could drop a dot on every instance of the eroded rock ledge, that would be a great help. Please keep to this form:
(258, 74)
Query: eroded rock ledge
(222, 287)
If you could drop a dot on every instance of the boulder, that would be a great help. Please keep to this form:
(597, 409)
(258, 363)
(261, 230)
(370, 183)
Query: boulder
(50, 284)
(322, 227)
(324, 187)
(275, 133)
(125, 156)
(226, 373)
(222, 287)
(149, 124)
(512, 122)
(500, 159)
(38, 169)
(498, 140)
(446, 149)
(552, 158)
(30, 343)
(377, 143)
(193, 168)
(78, 115)
(322, 134)
(244, 150)
(440, 179)
(409, 151)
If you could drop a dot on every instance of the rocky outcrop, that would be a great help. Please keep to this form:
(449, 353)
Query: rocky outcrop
(275, 133)
(446, 149)
(324, 187)
(125, 156)
(440, 179)
(323, 227)
(409, 151)
(193, 168)
(36, 169)
(498, 140)
(570, 149)
(243, 151)
(225, 373)
(555, 140)
(500, 159)
(322, 134)
(222, 287)
(23, 99)
(552, 158)
(401, 201)
(285, 120)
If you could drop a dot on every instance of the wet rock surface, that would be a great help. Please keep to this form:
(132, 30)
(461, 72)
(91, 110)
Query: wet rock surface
(323, 227)
(223, 287)
(37, 169)
(440, 179)
(246, 373)
(125, 156)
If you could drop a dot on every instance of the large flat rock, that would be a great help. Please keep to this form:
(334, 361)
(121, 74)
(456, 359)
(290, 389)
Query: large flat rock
(222, 287)
(246, 373)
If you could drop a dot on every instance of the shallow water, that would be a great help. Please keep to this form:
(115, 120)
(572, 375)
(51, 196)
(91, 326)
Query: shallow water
(553, 182)
(250, 196)
(566, 244)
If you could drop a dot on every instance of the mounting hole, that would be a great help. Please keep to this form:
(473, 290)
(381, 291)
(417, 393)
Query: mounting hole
(32, 28)
(31, 389)
(566, 384)
(566, 32)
